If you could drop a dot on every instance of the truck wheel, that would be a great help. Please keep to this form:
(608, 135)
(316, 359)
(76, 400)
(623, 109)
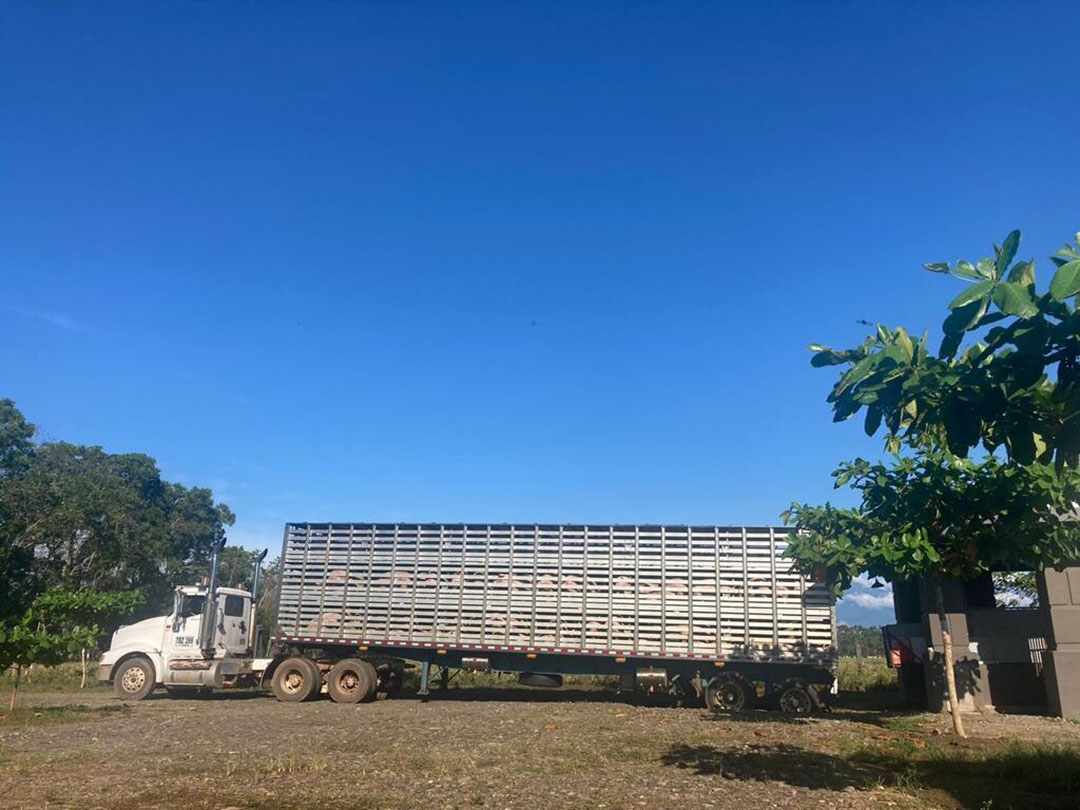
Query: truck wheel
(795, 699)
(728, 695)
(134, 679)
(296, 679)
(351, 681)
(317, 674)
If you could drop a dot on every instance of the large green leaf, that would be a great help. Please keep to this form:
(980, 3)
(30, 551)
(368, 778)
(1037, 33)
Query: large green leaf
(937, 267)
(949, 344)
(962, 319)
(1023, 273)
(873, 420)
(1066, 281)
(826, 357)
(966, 270)
(1014, 299)
(975, 292)
(985, 268)
(1007, 252)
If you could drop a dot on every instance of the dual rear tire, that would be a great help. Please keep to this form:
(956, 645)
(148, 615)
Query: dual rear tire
(729, 693)
(350, 680)
(297, 679)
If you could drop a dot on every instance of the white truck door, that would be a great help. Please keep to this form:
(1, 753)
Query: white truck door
(182, 631)
(233, 612)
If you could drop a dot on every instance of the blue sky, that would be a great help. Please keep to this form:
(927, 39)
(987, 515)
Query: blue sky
(501, 262)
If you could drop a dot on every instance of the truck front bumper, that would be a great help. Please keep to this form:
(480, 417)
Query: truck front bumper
(104, 673)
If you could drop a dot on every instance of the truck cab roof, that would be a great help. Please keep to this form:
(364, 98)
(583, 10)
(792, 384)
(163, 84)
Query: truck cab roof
(200, 590)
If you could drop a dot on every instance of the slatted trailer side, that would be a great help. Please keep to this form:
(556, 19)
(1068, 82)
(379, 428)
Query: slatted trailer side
(696, 603)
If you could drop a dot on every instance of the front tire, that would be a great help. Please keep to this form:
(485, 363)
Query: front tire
(134, 679)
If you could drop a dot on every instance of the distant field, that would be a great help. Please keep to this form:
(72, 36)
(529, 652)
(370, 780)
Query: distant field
(487, 747)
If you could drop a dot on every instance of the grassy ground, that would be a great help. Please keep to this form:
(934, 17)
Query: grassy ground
(483, 745)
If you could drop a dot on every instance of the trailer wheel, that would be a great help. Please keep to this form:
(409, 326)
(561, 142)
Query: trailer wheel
(296, 679)
(729, 694)
(795, 699)
(134, 679)
(352, 681)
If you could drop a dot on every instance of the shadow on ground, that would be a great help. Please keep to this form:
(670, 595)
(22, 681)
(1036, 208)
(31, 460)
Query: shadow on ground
(522, 695)
(971, 776)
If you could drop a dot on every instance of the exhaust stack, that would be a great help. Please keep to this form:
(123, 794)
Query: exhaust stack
(206, 630)
(254, 599)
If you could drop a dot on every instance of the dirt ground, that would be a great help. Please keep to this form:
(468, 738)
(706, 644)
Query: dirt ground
(493, 748)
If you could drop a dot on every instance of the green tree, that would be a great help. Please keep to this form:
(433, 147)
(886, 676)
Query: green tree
(1015, 588)
(16, 560)
(57, 626)
(1012, 389)
(76, 517)
(850, 638)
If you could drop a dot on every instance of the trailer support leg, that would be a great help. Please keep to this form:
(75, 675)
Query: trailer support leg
(425, 673)
(444, 679)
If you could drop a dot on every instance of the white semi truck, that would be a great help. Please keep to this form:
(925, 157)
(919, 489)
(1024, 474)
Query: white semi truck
(702, 612)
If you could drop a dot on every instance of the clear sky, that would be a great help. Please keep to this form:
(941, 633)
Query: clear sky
(502, 262)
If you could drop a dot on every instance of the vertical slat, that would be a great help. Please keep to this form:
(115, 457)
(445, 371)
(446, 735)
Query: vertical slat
(637, 587)
(303, 577)
(348, 579)
(461, 582)
(393, 576)
(558, 592)
(690, 588)
(719, 611)
(509, 585)
(485, 600)
(367, 589)
(746, 594)
(535, 577)
(438, 584)
(610, 587)
(416, 585)
(326, 573)
(772, 573)
(663, 589)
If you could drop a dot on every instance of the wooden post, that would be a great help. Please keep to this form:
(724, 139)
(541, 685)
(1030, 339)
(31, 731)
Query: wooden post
(950, 674)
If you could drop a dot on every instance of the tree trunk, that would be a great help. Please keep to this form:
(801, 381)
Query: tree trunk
(858, 656)
(82, 683)
(15, 687)
(950, 672)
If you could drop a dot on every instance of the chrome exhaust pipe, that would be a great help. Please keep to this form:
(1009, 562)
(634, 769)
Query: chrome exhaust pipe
(206, 630)
(255, 599)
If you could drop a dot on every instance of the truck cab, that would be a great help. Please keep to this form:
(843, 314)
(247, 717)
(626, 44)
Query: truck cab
(197, 645)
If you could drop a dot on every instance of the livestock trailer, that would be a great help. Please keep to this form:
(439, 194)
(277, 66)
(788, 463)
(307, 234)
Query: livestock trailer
(703, 612)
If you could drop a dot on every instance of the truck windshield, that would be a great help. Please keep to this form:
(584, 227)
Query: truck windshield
(192, 606)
